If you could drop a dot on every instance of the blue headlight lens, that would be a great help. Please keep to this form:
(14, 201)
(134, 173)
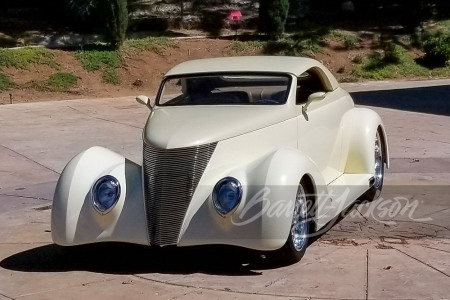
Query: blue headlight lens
(105, 193)
(227, 194)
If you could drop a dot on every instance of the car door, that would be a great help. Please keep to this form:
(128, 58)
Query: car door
(319, 127)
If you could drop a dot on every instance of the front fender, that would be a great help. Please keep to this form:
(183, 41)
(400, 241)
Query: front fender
(263, 218)
(74, 220)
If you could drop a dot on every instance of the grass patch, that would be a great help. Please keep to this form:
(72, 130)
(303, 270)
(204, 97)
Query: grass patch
(58, 82)
(61, 81)
(5, 83)
(292, 46)
(246, 47)
(22, 58)
(106, 60)
(154, 44)
(397, 64)
(109, 60)
(348, 39)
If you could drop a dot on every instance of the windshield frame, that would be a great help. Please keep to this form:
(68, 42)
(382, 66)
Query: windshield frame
(228, 73)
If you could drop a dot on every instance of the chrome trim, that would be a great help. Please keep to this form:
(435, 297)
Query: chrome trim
(93, 193)
(215, 192)
(171, 177)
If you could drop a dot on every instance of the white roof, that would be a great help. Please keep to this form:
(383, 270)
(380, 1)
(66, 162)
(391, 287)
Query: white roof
(282, 64)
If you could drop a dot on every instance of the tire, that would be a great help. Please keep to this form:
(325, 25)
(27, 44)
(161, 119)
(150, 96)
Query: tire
(375, 190)
(298, 239)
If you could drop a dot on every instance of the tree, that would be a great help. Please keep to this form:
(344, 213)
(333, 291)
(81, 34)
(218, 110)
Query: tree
(112, 13)
(272, 16)
(116, 21)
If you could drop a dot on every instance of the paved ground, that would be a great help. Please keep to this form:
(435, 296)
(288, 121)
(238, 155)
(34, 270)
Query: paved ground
(396, 248)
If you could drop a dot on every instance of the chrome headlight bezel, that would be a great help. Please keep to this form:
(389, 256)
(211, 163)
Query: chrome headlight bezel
(235, 187)
(114, 186)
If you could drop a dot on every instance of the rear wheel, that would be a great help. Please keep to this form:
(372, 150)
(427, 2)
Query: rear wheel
(375, 190)
(297, 242)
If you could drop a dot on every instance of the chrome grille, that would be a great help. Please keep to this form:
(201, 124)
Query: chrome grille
(170, 179)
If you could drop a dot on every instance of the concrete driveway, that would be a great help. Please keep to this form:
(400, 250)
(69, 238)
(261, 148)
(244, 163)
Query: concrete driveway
(397, 247)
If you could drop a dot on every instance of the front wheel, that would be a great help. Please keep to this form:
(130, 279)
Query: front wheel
(375, 190)
(298, 239)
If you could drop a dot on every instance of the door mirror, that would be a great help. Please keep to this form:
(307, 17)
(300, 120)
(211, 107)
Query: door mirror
(313, 98)
(144, 100)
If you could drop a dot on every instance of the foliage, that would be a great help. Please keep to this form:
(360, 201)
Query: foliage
(106, 60)
(437, 48)
(23, 57)
(246, 47)
(110, 76)
(61, 81)
(112, 13)
(5, 83)
(153, 44)
(57, 82)
(397, 64)
(349, 40)
(116, 22)
(300, 44)
(272, 17)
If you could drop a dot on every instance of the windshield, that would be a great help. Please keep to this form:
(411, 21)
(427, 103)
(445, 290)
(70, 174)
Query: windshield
(248, 89)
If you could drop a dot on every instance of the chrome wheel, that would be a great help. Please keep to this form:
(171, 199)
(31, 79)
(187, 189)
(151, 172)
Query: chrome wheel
(379, 167)
(299, 227)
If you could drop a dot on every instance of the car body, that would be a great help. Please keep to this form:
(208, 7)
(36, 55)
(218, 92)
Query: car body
(256, 152)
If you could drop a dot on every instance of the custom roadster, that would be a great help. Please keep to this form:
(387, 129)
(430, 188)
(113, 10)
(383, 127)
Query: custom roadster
(256, 152)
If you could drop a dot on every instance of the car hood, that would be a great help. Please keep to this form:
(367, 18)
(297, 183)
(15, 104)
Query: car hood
(186, 126)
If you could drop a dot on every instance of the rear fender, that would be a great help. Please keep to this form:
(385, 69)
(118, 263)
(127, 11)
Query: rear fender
(360, 127)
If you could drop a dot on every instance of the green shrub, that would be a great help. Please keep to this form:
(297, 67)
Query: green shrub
(348, 39)
(5, 83)
(272, 16)
(61, 81)
(153, 44)
(293, 46)
(394, 64)
(106, 60)
(23, 57)
(93, 60)
(110, 76)
(437, 48)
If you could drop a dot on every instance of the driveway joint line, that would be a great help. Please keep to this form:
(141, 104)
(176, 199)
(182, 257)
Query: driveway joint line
(435, 248)
(102, 119)
(25, 197)
(30, 159)
(422, 262)
(231, 291)
(367, 274)
(3, 295)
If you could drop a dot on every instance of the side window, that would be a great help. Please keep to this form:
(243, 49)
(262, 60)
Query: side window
(307, 84)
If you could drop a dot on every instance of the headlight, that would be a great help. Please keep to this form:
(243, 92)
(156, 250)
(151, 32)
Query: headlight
(227, 194)
(105, 193)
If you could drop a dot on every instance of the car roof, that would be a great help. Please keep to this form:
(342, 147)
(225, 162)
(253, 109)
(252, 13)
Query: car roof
(277, 64)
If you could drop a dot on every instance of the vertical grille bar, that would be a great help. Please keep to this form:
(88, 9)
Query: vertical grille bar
(170, 179)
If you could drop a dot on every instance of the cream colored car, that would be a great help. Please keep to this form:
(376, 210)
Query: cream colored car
(257, 152)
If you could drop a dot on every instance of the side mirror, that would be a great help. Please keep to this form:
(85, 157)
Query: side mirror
(144, 100)
(313, 98)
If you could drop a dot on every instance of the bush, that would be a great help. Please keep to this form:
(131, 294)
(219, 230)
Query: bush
(5, 83)
(61, 81)
(272, 17)
(437, 48)
(108, 61)
(22, 58)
